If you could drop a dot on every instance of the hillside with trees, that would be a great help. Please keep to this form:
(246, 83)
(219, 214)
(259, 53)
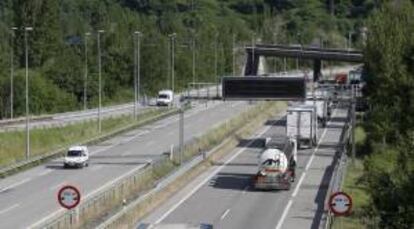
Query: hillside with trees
(389, 160)
(57, 50)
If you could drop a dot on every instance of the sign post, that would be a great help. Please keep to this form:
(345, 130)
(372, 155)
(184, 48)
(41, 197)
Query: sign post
(340, 204)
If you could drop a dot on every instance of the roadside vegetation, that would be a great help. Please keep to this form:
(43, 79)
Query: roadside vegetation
(382, 180)
(46, 141)
(95, 210)
(57, 43)
(355, 186)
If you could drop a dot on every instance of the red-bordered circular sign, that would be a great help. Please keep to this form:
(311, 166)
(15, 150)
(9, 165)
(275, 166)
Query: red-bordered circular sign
(69, 196)
(340, 203)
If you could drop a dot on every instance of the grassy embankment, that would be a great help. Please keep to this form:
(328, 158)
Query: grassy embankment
(355, 188)
(47, 140)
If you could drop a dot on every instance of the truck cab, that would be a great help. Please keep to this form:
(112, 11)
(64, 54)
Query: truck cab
(76, 157)
(165, 98)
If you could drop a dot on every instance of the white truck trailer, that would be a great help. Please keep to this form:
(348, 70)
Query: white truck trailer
(302, 124)
(277, 164)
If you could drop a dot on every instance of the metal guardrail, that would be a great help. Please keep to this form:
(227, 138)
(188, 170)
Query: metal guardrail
(113, 195)
(59, 152)
(339, 172)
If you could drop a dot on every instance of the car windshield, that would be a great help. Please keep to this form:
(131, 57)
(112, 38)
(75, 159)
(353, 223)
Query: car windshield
(163, 96)
(74, 153)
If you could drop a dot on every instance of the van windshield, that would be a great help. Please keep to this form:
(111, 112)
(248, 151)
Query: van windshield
(74, 153)
(163, 96)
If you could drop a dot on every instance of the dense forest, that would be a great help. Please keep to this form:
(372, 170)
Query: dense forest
(389, 151)
(56, 46)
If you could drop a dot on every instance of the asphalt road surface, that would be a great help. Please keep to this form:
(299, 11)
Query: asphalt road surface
(28, 199)
(224, 196)
(67, 118)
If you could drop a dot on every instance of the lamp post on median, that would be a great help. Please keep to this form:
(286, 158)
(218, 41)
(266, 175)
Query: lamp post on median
(85, 81)
(234, 54)
(100, 80)
(349, 40)
(13, 29)
(216, 62)
(193, 47)
(137, 83)
(172, 40)
(27, 29)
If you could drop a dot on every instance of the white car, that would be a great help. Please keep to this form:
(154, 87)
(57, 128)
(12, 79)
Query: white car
(77, 156)
(165, 98)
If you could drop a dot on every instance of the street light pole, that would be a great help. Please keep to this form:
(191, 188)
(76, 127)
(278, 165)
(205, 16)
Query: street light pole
(194, 59)
(26, 29)
(12, 71)
(253, 47)
(85, 82)
(216, 62)
(274, 59)
(100, 80)
(137, 35)
(349, 40)
(297, 58)
(172, 37)
(234, 54)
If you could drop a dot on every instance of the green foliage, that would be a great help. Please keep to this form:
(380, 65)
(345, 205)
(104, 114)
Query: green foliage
(389, 170)
(56, 45)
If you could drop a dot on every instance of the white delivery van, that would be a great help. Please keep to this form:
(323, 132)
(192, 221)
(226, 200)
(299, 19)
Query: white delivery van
(302, 124)
(165, 98)
(77, 156)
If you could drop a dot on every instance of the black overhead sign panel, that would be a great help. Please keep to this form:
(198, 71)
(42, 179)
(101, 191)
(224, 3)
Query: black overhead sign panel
(264, 88)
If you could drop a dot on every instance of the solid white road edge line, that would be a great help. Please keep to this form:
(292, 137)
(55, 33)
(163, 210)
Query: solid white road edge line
(9, 208)
(302, 178)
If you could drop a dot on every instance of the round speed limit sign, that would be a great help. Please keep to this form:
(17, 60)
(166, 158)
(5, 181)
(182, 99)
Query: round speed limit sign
(340, 203)
(69, 196)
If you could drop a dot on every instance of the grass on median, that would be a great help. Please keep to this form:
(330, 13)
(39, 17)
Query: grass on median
(241, 126)
(111, 200)
(355, 188)
(47, 140)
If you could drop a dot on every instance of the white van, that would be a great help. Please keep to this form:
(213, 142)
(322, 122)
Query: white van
(77, 156)
(165, 98)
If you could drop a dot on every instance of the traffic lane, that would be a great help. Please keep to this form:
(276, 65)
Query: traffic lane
(37, 199)
(307, 207)
(58, 175)
(235, 207)
(229, 199)
(134, 135)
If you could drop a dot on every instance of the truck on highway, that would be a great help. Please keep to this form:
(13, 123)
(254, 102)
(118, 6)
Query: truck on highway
(277, 164)
(302, 124)
(323, 103)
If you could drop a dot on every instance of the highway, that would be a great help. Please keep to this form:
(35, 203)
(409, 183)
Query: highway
(224, 197)
(28, 199)
(67, 118)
